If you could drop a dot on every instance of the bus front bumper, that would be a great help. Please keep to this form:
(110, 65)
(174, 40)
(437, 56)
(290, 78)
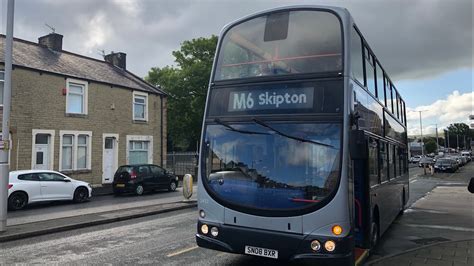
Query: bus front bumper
(290, 246)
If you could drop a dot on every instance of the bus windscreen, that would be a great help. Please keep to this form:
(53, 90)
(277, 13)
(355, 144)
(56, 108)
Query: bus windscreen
(293, 42)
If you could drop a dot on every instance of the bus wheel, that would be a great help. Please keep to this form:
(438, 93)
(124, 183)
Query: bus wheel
(374, 234)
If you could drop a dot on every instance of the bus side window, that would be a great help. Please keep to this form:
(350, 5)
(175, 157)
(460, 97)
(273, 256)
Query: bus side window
(383, 161)
(391, 162)
(373, 162)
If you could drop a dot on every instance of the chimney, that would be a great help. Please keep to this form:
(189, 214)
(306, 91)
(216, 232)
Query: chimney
(117, 59)
(52, 41)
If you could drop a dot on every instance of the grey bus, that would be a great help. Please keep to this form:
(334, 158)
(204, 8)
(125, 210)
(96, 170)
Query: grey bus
(304, 150)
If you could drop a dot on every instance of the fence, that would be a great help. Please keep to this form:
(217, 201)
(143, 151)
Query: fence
(181, 163)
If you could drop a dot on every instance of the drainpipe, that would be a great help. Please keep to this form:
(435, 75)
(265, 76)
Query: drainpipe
(161, 129)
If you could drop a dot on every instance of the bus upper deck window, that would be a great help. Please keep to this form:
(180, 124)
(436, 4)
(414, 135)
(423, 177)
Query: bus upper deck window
(276, 26)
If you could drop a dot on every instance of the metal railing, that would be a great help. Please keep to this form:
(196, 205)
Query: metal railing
(181, 163)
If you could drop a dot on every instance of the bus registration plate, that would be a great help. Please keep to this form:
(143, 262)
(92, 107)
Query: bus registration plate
(262, 252)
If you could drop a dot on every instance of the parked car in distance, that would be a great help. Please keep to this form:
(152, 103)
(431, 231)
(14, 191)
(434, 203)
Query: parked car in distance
(446, 165)
(415, 159)
(425, 161)
(467, 155)
(30, 186)
(139, 178)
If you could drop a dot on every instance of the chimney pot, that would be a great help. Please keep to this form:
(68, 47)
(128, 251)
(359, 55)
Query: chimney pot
(117, 59)
(52, 41)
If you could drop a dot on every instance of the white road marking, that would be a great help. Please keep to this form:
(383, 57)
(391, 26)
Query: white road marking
(413, 181)
(445, 227)
(181, 251)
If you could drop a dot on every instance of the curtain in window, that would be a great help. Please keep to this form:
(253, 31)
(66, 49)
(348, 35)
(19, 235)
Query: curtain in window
(67, 153)
(82, 152)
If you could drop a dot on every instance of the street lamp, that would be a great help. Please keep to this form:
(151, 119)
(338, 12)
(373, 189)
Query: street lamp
(421, 133)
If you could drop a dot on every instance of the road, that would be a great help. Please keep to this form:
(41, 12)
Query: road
(47, 211)
(169, 238)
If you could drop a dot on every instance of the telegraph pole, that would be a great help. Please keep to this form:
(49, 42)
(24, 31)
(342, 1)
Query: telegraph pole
(437, 143)
(4, 163)
(421, 131)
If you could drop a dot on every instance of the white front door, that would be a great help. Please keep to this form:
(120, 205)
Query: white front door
(42, 156)
(109, 160)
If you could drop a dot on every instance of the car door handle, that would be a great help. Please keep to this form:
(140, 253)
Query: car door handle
(44, 186)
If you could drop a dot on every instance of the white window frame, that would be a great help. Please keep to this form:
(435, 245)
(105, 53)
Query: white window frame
(74, 149)
(140, 138)
(51, 146)
(140, 94)
(84, 95)
(2, 81)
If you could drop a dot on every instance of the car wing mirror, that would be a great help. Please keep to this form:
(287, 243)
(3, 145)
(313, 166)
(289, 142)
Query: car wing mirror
(470, 187)
(67, 180)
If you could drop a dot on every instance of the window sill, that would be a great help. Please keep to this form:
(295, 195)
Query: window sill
(79, 171)
(75, 115)
(139, 121)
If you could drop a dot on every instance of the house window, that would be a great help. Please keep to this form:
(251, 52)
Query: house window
(75, 150)
(76, 98)
(82, 152)
(67, 149)
(138, 152)
(139, 149)
(140, 106)
(2, 81)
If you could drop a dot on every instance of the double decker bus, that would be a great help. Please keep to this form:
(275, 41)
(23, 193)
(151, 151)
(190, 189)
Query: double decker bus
(304, 149)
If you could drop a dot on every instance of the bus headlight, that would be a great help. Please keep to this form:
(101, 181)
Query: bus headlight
(204, 229)
(214, 231)
(315, 245)
(330, 245)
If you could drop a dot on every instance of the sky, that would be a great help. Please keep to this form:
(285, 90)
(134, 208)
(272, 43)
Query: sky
(426, 46)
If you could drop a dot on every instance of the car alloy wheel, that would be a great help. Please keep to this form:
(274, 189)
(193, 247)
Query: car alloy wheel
(80, 195)
(17, 201)
(172, 186)
(139, 190)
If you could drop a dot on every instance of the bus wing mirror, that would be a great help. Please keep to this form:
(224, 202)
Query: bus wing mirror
(357, 145)
(470, 187)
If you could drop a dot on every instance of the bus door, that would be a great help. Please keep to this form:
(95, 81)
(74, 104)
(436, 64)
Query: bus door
(361, 201)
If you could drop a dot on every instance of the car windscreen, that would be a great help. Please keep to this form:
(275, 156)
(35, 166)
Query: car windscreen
(272, 166)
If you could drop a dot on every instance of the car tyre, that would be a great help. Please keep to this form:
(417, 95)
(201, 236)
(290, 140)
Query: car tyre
(80, 195)
(17, 201)
(139, 190)
(172, 186)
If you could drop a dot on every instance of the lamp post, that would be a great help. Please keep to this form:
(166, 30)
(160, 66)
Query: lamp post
(421, 134)
(4, 163)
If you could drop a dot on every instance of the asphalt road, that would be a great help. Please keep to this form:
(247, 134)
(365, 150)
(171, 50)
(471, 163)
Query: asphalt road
(169, 238)
(47, 211)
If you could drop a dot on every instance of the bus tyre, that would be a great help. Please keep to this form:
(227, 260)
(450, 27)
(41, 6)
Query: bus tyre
(374, 234)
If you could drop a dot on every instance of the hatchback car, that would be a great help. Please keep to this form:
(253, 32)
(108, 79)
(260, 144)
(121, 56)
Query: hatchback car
(446, 165)
(29, 186)
(143, 177)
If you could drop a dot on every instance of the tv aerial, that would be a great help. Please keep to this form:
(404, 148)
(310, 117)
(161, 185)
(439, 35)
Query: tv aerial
(50, 27)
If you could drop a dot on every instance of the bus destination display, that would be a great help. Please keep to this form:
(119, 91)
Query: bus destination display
(271, 99)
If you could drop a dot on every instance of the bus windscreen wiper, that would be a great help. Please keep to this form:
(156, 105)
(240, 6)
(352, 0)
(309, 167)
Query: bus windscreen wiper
(218, 121)
(263, 124)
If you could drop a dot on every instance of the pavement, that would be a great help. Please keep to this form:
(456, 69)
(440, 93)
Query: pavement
(437, 229)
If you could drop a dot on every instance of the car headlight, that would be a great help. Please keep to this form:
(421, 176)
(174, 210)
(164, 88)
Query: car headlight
(89, 185)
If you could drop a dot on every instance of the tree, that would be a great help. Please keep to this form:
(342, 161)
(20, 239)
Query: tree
(459, 133)
(187, 86)
(430, 146)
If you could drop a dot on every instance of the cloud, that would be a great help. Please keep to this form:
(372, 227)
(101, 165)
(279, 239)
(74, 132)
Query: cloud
(455, 108)
(413, 39)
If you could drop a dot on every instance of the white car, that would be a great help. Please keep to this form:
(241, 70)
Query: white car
(29, 186)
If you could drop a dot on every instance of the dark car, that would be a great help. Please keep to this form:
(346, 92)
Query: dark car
(446, 165)
(143, 177)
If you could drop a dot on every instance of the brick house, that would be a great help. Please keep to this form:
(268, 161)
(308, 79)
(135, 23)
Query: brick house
(78, 115)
